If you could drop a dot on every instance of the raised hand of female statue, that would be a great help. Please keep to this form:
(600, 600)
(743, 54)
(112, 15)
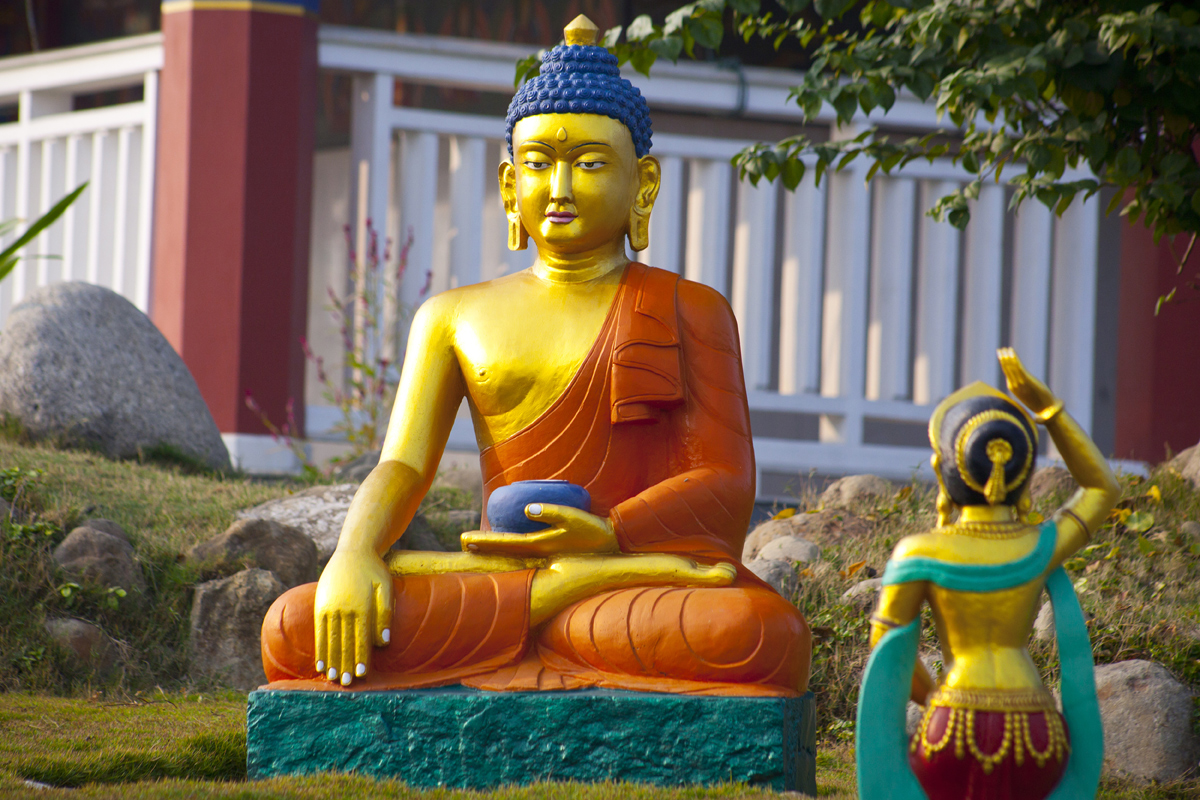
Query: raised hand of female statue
(1036, 395)
(570, 531)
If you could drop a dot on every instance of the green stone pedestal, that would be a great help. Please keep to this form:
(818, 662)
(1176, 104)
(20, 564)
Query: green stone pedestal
(461, 737)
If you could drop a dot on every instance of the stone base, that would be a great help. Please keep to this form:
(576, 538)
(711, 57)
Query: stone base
(460, 737)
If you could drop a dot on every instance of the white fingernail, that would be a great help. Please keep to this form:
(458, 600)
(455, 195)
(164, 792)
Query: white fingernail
(332, 674)
(320, 666)
(360, 670)
(346, 679)
(387, 635)
(535, 509)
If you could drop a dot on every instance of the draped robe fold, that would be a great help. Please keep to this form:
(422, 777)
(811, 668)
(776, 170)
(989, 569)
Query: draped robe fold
(655, 426)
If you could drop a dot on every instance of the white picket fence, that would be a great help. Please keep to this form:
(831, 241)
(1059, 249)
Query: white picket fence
(857, 312)
(104, 237)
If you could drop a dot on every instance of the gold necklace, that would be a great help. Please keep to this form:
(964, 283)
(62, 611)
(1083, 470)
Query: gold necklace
(1007, 529)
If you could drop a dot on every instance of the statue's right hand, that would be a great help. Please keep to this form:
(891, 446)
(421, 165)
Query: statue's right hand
(353, 610)
(1036, 396)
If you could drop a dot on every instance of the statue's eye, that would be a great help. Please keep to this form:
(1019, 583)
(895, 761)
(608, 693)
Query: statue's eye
(537, 164)
(590, 164)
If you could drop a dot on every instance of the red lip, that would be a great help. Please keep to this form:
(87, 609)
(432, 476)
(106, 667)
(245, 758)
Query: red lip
(562, 217)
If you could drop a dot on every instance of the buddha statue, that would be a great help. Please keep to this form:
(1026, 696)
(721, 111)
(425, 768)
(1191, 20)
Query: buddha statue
(990, 728)
(615, 376)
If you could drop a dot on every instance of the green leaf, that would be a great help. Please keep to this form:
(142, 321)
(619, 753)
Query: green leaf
(640, 28)
(1128, 162)
(707, 31)
(832, 9)
(1145, 547)
(669, 47)
(8, 255)
(793, 172)
(1140, 522)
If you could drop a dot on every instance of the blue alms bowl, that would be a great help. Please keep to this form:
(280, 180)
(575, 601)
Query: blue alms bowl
(506, 505)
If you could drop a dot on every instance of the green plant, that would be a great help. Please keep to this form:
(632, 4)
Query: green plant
(10, 255)
(1038, 87)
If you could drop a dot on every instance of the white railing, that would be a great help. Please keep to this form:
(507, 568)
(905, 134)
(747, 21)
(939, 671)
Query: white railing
(857, 312)
(104, 237)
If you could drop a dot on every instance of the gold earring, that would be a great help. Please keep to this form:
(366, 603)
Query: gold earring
(639, 230)
(518, 237)
(945, 506)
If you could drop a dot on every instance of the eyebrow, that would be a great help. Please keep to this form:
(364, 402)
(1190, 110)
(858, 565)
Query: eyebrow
(528, 142)
(589, 144)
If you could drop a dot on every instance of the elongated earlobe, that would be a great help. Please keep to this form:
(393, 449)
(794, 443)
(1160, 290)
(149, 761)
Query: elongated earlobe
(518, 237)
(639, 229)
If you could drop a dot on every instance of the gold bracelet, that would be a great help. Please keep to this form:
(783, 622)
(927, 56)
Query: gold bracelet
(1048, 414)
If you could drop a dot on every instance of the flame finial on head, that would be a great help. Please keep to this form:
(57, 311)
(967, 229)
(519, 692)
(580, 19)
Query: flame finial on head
(581, 31)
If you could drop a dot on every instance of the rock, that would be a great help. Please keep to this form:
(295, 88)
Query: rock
(79, 363)
(100, 558)
(262, 543)
(1190, 529)
(1052, 482)
(856, 490)
(357, 469)
(1043, 626)
(319, 513)
(912, 718)
(863, 595)
(109, 527)
(780, 574)
(89, 649)
(1187, 464)
(464, 519)
(226, 624)
(419, 535)
(829, 526)
(790, 549)
(1147, 717)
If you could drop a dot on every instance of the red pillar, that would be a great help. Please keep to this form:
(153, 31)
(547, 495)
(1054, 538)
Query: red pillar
(1158, 357)
(233, 202)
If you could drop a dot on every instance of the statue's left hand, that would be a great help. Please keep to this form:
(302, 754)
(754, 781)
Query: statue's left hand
(570, 531)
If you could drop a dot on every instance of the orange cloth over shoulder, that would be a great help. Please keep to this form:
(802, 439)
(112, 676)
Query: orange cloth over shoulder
(656, 427)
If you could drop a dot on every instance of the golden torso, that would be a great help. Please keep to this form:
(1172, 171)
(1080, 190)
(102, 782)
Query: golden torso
(519, 341)
(983, 636)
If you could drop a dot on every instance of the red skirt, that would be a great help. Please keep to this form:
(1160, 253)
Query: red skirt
(965, 754)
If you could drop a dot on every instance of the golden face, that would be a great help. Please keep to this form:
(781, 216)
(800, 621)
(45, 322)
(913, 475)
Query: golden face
(574, 180)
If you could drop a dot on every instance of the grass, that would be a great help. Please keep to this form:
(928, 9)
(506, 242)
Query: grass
(1137, 581)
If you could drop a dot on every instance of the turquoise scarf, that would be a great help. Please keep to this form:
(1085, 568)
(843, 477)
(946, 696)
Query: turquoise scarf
(881, 741)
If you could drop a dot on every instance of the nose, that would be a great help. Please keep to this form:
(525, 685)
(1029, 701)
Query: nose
(560, 183)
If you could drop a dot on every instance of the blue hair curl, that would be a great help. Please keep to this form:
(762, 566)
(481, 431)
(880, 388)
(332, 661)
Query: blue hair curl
(582, 79)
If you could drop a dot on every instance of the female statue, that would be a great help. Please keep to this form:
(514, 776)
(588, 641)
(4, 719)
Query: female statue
(612, 375)
(991, 730)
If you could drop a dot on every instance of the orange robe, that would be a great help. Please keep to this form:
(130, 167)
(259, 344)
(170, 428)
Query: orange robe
(656, 427)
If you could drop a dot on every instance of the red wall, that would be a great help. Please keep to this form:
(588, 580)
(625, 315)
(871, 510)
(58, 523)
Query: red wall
(1158, 357)
(233, 205)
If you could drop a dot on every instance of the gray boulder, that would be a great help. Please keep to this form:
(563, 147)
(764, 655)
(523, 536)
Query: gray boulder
(791, 549)
(226, 626)
(100, 558)
(1190, 529)
(853, 491)
(1147, 717)
(1052, 482)
(1187, 464)
(781, 575)
(863, 595)
(357, 469)
(825, 527)
(320, 512)
(79, 363)
(107, 526)
(88, 648)
(1043, 626)
(262, 543)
